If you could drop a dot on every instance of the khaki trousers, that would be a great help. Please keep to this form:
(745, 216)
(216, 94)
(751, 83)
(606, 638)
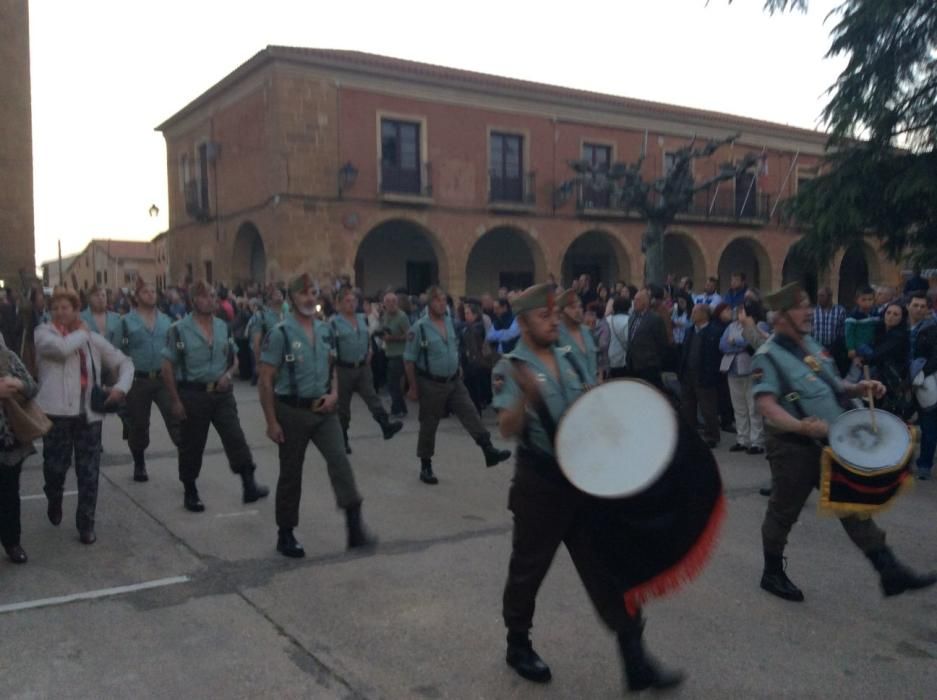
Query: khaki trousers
(795, 472)
(300, 427)
(435, 399)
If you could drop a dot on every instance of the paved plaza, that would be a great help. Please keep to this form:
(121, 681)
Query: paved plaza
(171, 604)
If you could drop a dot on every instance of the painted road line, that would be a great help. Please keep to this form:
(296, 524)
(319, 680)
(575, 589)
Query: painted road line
(237, 514)
(37, 496)
(91, 595)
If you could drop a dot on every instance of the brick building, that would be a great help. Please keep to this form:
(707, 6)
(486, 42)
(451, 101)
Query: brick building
(17, 243)
(400, 173)
(111, 264)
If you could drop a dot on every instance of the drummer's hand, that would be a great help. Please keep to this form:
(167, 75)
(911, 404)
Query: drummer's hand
(878, 389)
(814, 427)
(526, 382)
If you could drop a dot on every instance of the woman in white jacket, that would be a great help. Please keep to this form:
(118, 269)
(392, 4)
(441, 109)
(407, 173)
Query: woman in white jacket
(70, 359)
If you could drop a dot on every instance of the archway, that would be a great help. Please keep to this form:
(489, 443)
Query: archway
(397, 254)
(599, 255)
(859, 267)
(503, 257)
(684, 258)
(748, 257)
(249, 261)
(797, 268)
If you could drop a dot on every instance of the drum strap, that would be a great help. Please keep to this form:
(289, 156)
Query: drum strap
(546, 420)
(791, 397)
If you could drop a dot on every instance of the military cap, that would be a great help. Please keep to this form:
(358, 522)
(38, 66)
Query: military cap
(536, 297)
(200, 288)
(785, 298)
(301, 283)
(565, 298)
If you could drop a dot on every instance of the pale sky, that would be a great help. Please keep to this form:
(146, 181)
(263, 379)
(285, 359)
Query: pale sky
(106, 72)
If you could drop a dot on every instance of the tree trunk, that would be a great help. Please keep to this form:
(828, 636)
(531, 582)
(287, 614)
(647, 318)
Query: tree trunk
(654, 271)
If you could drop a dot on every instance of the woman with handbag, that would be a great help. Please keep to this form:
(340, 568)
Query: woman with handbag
(70, 359)
(16, 386)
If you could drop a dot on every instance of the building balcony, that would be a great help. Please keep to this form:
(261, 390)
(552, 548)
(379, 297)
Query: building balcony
(406, 185)
(512, 194)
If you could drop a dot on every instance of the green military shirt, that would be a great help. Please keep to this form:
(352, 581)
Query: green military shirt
(196, 360)
(558, 395)
(351, 344)
(429, 351)
(144, 346)
(397, 324)
(311, 361)
(589, 358)
(112, 330)
(264, 321)
(808, 372)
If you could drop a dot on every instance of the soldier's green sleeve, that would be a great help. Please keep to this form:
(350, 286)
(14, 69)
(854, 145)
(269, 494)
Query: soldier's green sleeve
(504, 389)
(271, 352)
(412, 349)
(765, 378)
(170, 351)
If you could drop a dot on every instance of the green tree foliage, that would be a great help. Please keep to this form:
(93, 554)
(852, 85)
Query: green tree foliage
(880, 174)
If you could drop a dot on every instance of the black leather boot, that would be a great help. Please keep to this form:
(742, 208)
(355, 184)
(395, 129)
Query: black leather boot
(288, 546)
(190, 500)
(896, 577)
(252, 490)
(775, 581)
(347, 445)
(388, 427)
(523, 659)
(358, 534)
(139, 466)
(54, 510)
(493, 455)
(642, 670)
(426, 472)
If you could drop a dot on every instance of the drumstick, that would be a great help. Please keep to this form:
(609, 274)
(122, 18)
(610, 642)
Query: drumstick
(871, 400)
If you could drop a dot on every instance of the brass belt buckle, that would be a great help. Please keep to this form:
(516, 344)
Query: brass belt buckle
(210, 387)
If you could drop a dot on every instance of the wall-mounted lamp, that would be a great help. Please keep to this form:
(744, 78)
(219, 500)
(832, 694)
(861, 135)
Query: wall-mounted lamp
(154, 211)
(347, 175)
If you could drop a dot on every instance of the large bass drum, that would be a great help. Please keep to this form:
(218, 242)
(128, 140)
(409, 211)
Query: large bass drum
(867, 463)
(658, 500)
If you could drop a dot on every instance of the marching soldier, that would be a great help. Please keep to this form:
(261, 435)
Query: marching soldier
(299, 393)
(798, 391)
(533, 387)
(578, 337)
(144, 337)
(101, 321)
(198, 363)
(264, 321)
(353, 360)
(432, 364)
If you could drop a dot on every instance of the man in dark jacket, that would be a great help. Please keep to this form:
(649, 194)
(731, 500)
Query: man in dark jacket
(647, 341)
(699, 373)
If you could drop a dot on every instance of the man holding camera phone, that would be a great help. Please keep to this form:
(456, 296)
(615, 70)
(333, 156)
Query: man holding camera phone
(299, 394)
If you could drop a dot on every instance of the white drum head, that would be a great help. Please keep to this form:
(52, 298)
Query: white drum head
(617, 439)
(858, 445)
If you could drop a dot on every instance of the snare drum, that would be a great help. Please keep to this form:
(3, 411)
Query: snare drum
(866, 465)
(658, 500)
